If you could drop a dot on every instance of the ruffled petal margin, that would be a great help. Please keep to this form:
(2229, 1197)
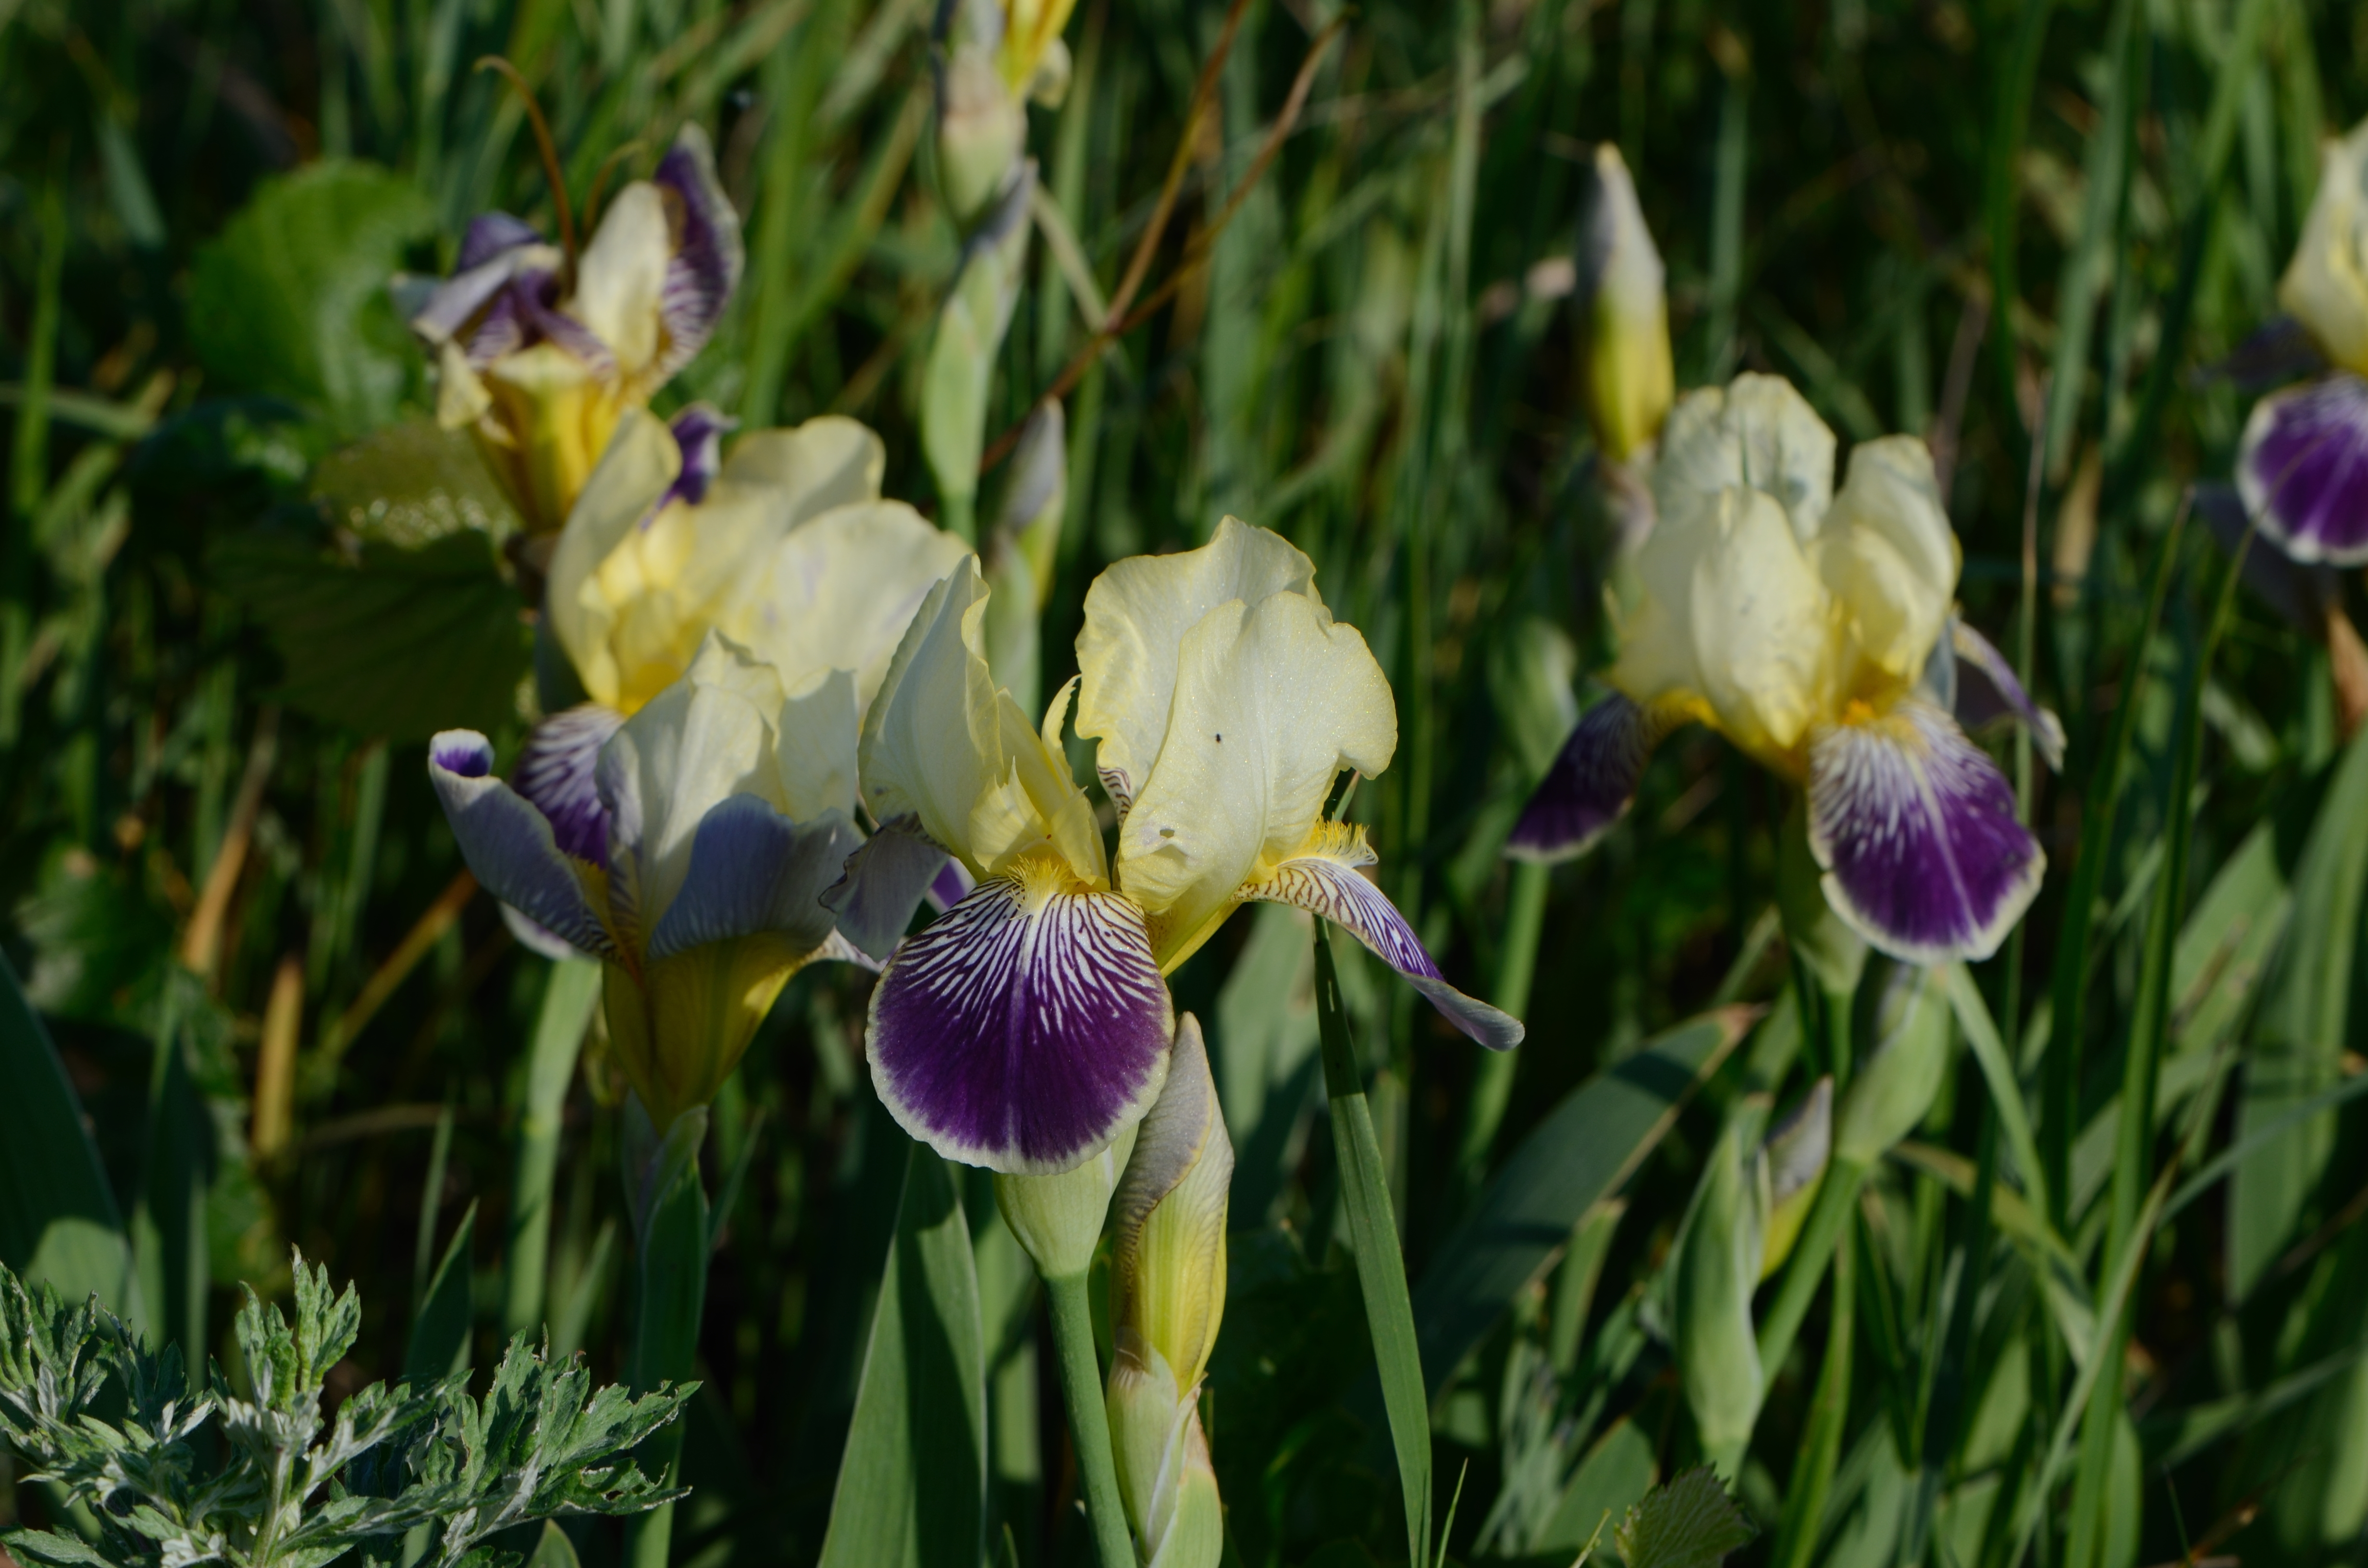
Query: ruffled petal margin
(1590, 786)
(1915, 826)
(1323, 881)
(1024, 1029)
(508, 844)
(2303, 469)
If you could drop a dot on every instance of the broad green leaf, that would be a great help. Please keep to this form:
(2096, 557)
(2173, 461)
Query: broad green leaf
(411, 485)
(1689, 1523)
(59, 1224)
(291, 299)
(400, 643)
(1582, 1152)
(553, 1550)
(439, 1332)
(912, 1483)
(1616, 1473)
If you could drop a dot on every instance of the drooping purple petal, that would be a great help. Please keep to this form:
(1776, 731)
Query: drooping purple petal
(1327, 884)
(556, 774)
(2303, 469)
(699, 433)
(705, 267)
(1987, 690)
(884, 883)
(1915, 826)
(508, 844)
(451, 303)
(536, 295)
(491, 234)
(753, 869)
(1024, 1029)
(1590, 786)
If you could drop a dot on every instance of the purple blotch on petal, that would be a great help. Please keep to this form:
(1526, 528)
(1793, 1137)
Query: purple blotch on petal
(753, 869)
(1987, 691)
(950, 885)
(491, 234)
(1024, 1029)
(1587, 789)
(556, 773)
(884, 883)
(508, 844)
(707, 260)
(2302, 468)
(1915, 826)
(699, 433)
(1332, 889)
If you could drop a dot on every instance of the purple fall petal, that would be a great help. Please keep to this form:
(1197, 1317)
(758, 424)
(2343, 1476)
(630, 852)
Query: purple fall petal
(556, 774)
(508, 844)
(538, 939)
(705, 267)
(1915, 826)
(699, 433)
(491, 234)
(753, 870)
(1987, 690)
(1327, 884)
(882, 884)
(1588, 786)
(2303, 469)
(1024, 1029)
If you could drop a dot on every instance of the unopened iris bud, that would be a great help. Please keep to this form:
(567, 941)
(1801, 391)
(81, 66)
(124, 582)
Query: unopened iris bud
(962, 351)
(1718, 1353)
(1019, 553)
(1797, 1151)
(1057, 1219)
(1629, 379)
(1168, 1295)
(1895, 1087)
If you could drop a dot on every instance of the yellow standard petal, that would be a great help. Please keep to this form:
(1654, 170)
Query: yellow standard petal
(1755, 432)
(641, 461)
(620, 280)
(1136, 615)
(2325, 284)
(550, 419)
(1272, 699)
(1888, 557)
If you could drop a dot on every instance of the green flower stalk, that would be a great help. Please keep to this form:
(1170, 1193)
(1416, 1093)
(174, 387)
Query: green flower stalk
(1167, 1290)
(1020, 556)
(960, 371)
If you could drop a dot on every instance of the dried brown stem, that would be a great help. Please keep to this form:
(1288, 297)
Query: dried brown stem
(550, 150)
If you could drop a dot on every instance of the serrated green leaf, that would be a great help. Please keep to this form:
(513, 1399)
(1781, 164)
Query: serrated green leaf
(1689, 1523)
(291, 299)
(399, 643)
(912, 1483)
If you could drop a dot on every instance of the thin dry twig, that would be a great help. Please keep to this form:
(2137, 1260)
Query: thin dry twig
(431, 926)
(550, 150)
(201, 942)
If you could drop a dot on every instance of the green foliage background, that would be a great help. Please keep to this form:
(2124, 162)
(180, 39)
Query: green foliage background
(239, 585)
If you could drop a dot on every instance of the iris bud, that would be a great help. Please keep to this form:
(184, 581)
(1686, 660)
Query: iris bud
(1896, 1086)
(1057, 1219)
(1796, 1152)
(963, 350)
(1631, 380)
(1718, 1354)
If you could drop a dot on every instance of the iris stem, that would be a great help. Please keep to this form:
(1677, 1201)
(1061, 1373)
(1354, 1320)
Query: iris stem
(675, 1250)
(1081, 1388)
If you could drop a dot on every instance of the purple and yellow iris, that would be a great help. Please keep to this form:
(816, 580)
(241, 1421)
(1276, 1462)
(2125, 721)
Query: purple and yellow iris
(1813, 629)
(2302, 465)
(1032, 1024)
(723, 808)
(540, 355)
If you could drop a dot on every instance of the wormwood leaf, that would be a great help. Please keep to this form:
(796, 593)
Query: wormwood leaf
(1689, 1523)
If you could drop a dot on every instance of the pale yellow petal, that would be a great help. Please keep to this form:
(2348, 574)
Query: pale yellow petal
(2325, 284)
(1757, 432)
(839, 591)
(817, 744)
(825, 462)
(932, 744)
(641, 461)
(1887, 555)
(621, 278)
(1136, 615)
(1271, 701)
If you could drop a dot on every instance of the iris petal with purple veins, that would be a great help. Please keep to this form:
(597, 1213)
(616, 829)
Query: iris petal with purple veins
(508, 844)
(1026, 1028)
(753, 870)
(705, 267)
(2303, 469)
(699, 433)
(1915, 826)
(556, 774)
(491, 234)
(1590, 786)
(1327, 884)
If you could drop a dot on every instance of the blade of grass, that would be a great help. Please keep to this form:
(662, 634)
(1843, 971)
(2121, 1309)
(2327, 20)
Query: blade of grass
(1380, 1267)
(569, 995)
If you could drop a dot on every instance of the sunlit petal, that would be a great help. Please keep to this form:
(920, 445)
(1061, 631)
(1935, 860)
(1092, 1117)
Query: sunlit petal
(2303, 469)
(620, 278)
(1887, 555)
(2325, 284)
(1026, 1026)
(1757, 432)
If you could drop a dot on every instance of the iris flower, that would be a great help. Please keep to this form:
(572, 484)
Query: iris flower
(541, 354)
(1813, 629)
(784, 546)
(725, 804)
(995, 56)
(2302, 465)
(1027, 1027)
